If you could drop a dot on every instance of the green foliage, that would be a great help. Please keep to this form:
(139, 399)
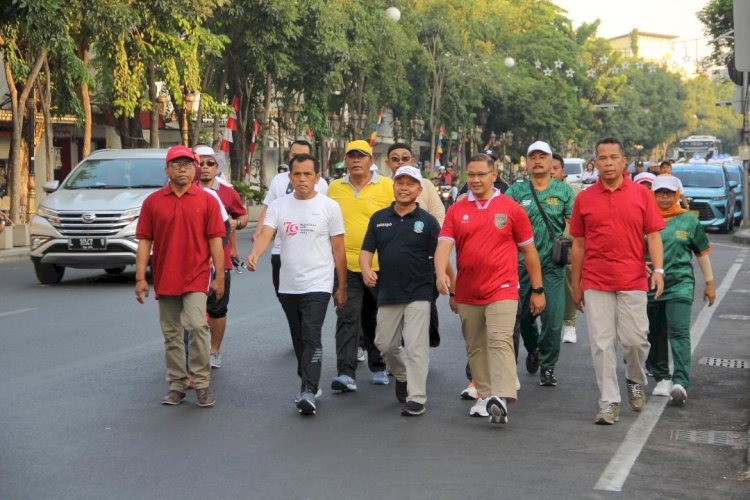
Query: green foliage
(718, 19)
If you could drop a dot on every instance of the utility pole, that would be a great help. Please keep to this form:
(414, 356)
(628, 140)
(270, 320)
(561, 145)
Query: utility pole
(741, 15)
(745, 152)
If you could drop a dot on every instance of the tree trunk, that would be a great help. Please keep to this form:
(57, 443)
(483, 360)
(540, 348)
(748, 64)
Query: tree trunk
(220, 99)
(83, 54)
(266, 128)
(198, 129)
(18, 103)
(153, 97)
(48, 132)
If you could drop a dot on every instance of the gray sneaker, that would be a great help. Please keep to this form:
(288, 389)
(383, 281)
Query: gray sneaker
(608, 415)
(205, 397)
(343, 383)
(215, 360)
(173, 397)
(306, 403)
(636, 397)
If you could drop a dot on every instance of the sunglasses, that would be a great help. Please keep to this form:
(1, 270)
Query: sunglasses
(208, 163)
(403, 159)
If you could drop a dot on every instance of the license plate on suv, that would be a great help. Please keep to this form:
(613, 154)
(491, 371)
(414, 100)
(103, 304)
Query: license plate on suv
(87, 244)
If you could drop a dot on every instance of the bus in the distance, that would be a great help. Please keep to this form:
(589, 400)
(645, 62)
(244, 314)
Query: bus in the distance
(703, 146)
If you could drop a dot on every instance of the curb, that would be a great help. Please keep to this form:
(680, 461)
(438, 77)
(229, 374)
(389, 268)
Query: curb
(742, 236)
(19, 253)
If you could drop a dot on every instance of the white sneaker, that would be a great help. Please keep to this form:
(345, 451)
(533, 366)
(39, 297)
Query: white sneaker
(479, 409)
(497, 408)
(518, 384)
(360, 354)
(569, 334)
(470, 393)
(663, 388)
(679, 394)
(215, 360)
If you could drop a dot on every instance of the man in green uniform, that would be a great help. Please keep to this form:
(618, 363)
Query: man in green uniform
(556, 200)
(669, 314)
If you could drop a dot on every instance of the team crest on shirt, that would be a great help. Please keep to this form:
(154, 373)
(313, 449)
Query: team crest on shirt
(500, 220)
(465, 219)
(418, 226)
(681, 235)
(552, 201)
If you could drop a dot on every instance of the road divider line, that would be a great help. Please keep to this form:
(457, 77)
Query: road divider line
(619, 467)
(17, 311)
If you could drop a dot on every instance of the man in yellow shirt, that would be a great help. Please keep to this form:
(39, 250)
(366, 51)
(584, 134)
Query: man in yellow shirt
(360, 193)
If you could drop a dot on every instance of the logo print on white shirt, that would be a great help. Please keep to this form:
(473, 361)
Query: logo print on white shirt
(291, 228)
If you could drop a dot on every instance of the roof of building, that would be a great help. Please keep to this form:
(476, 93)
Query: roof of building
(644, 33)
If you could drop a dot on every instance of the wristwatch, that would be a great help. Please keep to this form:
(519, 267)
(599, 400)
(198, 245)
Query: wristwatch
(539, 290)
(659, 270)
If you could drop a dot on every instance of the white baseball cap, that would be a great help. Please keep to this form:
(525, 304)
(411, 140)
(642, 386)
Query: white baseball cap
(669, 182)
(409, 170)
(644, 177)
(203, 150)
(539, 146)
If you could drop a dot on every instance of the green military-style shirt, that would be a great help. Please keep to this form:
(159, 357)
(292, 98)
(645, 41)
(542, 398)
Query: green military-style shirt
(683, 237)
(557, 203)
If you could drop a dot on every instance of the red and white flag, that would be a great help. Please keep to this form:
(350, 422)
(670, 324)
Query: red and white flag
(231, 126)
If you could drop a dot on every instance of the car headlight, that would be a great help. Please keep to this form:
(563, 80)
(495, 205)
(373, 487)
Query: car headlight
(37, 241)
(46, 213)
(130, 214)
(719, 198)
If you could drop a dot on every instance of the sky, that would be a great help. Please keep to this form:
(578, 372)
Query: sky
(667, 17)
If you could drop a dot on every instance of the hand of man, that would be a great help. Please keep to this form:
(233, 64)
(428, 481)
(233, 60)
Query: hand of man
(709, 294)
(576, 294)
(232, 223)
(141, 290)
(657, 283)
(537, 303)
(443, 283)
(452, 303)
(339, 298)
(217, 286)
(252, 261)
(370, 278)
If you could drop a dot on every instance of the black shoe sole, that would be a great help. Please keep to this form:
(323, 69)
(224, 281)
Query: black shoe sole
(338, 386)
(305, 407)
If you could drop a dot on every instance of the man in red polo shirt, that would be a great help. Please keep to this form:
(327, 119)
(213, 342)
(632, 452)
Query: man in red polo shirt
(609, 275)
(487, 229)
(217, 308)
(180, 228)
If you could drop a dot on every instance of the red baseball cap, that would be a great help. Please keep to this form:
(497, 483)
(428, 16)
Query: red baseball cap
(181, 152)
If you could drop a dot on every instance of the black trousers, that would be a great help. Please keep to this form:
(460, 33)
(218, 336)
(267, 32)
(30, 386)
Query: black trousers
(275, 270)
(355, 324)
(305, 313)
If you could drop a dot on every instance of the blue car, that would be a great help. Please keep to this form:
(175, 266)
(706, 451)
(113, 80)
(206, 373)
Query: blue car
(710, 194)
(735, 175)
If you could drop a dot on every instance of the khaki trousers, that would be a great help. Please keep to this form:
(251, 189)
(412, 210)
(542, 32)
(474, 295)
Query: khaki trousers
(488, 332)
(622, 317)
(176, 314)
(409, 363)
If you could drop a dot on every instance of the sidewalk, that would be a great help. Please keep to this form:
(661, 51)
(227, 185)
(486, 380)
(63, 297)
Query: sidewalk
(15, 253)
(742, 236)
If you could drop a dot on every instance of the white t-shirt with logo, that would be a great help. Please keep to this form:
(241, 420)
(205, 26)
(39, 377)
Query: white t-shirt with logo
(279, 187)
(304, 229)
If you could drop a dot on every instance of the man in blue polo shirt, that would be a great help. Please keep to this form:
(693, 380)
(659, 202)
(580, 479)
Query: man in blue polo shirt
(405, 238)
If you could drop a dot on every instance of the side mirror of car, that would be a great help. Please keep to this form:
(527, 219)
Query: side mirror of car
(733, 184)
(50, 186)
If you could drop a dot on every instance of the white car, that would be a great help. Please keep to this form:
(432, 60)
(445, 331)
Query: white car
(573, 169)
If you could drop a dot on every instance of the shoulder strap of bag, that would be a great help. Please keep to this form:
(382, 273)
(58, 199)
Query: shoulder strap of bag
(541, 211)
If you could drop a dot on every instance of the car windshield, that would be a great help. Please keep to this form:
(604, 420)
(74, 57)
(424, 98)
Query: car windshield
(734, 175)
(118, 173)
(573, 167)
(700, 178)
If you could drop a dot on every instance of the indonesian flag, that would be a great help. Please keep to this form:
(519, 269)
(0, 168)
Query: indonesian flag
(251, 147)
(230, 126)
(374, 135)
(309, 135)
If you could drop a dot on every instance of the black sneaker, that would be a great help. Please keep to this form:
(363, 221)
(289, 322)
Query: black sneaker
(306, 403)
(532, 362)
(401, 391)
(547, 377)
(412, 409)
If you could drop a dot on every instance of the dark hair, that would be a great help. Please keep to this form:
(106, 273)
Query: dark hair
(559, 158)
(304, 157)
(665, 162)
(300, 142)
(485, 158)
(399, 145)
(610, 140)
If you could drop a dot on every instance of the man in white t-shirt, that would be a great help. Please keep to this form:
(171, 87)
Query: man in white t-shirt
(310, 229)
(281, 186)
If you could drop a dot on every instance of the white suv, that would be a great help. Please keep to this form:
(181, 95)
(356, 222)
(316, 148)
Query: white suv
(89, 220)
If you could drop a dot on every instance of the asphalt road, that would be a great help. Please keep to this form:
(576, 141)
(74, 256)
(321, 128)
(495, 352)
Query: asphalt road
(82, 373)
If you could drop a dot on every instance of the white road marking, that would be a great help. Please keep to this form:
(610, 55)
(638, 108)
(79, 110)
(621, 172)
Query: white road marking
(17, 311)
(737, 317)
(738, 247)
(618, 469)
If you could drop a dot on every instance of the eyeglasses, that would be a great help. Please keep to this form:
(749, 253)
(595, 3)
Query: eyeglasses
(181, 165)
(208, 163)
(477, 175)
(403, 159)
(664, 192)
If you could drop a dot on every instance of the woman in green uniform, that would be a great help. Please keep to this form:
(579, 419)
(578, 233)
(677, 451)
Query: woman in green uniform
(669, 316)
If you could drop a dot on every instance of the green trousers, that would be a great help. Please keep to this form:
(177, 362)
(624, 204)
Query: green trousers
(571, 313)
(548, 340)
(669, 325)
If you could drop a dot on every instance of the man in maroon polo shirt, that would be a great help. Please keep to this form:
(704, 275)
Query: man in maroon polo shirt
(217, 308)
(609, 274)
(180, 229)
